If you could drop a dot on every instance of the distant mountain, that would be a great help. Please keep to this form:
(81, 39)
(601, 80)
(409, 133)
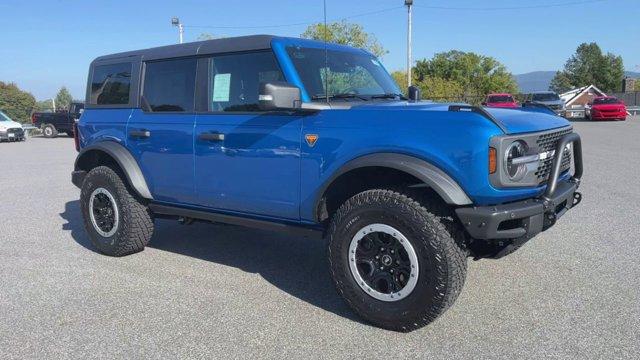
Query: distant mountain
(540, 80)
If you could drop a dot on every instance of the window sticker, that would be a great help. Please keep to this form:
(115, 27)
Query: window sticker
(221, 87)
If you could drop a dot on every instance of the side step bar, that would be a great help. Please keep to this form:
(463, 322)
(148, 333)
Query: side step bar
(293, 229)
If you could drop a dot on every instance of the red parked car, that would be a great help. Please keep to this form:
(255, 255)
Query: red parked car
(606, 108)
(500, 101)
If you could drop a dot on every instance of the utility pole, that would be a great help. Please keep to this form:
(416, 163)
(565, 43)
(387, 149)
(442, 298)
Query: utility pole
(176, 22)
(409, 4)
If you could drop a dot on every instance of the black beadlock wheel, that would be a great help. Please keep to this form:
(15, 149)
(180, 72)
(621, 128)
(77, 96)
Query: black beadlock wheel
(399, 263)
(116, 221)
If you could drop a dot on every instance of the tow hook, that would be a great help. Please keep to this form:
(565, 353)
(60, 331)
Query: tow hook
(549, 220)
(577, 198)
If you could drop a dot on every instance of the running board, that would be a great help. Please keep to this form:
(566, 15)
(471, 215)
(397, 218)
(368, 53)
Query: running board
(216, 217)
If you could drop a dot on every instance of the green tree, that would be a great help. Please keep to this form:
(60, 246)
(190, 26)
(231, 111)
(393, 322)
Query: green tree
(637, 85)
(463, 73)
(63, 98)
(17, 104)
(345, 33)
(400, 78)
(560, 83)
(590, 66)
(44, 105)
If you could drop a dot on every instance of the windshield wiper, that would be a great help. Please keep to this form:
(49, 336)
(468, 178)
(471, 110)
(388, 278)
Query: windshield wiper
(339, 96)
(388, 96)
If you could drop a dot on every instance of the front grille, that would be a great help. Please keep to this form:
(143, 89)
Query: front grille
(547, 142)
(17, 131)
(554, 107)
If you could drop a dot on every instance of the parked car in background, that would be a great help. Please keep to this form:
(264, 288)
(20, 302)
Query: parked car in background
(53, 123)
(550, 99)
(9, 129)
(606, 108)
(500, 101)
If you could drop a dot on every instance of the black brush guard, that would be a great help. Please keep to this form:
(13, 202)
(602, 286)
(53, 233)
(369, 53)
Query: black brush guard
(509, 226)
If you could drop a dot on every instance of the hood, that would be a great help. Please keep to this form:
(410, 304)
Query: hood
(514, 120)
(10, 124)
(608, 106)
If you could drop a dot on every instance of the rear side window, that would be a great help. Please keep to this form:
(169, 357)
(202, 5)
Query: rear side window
(110, 84)
(170, 85)
(235, 80)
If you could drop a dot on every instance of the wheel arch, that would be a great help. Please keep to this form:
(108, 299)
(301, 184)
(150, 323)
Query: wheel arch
(113, 153)
(395, 164)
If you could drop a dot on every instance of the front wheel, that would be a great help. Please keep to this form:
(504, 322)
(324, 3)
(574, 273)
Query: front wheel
(116, 221)
(397, 262)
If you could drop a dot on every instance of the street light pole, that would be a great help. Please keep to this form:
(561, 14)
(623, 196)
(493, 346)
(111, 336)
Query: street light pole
(409, 4)
(176, 22)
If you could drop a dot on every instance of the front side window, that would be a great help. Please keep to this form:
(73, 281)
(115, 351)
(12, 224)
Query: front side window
(235, 80)
(110, 84)
(170, 85)
(341, 73)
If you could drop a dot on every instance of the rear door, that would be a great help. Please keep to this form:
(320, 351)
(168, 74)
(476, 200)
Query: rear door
(246, 161)
(160, 134)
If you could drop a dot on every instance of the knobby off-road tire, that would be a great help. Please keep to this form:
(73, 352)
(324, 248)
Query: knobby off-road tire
(435, 238)
(132, 222)
(49, 131)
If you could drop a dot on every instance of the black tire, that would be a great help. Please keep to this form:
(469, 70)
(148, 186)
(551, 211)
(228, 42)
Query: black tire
(438, 242)
(49, 131)
(134, 226)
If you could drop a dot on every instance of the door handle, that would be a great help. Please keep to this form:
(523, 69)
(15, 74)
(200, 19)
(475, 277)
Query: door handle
(211, 137)
(140, 133)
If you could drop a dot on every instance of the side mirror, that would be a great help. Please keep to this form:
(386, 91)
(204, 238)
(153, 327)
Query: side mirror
(279, 96)
(414, 93)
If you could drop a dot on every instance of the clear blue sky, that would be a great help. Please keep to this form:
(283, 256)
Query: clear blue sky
(50, 43)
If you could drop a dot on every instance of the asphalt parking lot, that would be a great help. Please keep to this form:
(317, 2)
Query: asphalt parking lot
(212, 291)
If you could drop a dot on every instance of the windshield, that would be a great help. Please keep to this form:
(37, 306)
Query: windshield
(546, 97)
(606, 101)
(500, 99)
(346, 73)
(4, 117)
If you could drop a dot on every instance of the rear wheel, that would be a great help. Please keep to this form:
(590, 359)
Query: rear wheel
(49, 131)
(117, 222)
(398, 263)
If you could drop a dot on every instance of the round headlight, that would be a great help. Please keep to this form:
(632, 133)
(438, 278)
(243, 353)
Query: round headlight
(515, 171)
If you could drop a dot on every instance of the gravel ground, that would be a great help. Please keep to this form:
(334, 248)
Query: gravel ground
(212, 290)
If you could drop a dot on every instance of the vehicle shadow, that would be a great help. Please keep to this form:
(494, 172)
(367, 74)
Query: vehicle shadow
(295, 265)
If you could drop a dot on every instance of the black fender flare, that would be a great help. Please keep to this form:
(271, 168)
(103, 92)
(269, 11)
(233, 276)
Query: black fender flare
(124, 159)
(426, 172)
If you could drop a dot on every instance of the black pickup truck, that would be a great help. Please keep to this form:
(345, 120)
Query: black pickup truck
(53, 123)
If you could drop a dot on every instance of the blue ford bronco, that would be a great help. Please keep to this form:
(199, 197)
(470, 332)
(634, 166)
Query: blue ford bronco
(298, 135)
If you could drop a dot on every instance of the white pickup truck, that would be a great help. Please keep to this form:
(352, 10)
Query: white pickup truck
(10, 130)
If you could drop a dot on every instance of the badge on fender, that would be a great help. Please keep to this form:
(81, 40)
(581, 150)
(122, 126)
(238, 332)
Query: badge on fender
(311, 139)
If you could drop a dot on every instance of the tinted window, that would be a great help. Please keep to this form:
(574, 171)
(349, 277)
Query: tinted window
(110, 84)
(545, 97)
(235, 80)
(500, 99)
(170, 85)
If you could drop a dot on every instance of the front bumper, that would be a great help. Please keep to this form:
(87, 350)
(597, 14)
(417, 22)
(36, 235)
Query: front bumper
(510, 225)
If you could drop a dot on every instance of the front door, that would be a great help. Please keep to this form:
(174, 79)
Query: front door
(160, 135)
(246, 161)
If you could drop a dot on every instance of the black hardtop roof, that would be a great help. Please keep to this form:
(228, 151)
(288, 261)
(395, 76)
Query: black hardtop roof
(234, 44)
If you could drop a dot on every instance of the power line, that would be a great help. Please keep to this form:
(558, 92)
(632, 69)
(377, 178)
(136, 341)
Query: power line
(569, 3)
(294, 24)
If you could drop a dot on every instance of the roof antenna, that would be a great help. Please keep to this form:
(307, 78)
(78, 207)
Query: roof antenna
(326, 55)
